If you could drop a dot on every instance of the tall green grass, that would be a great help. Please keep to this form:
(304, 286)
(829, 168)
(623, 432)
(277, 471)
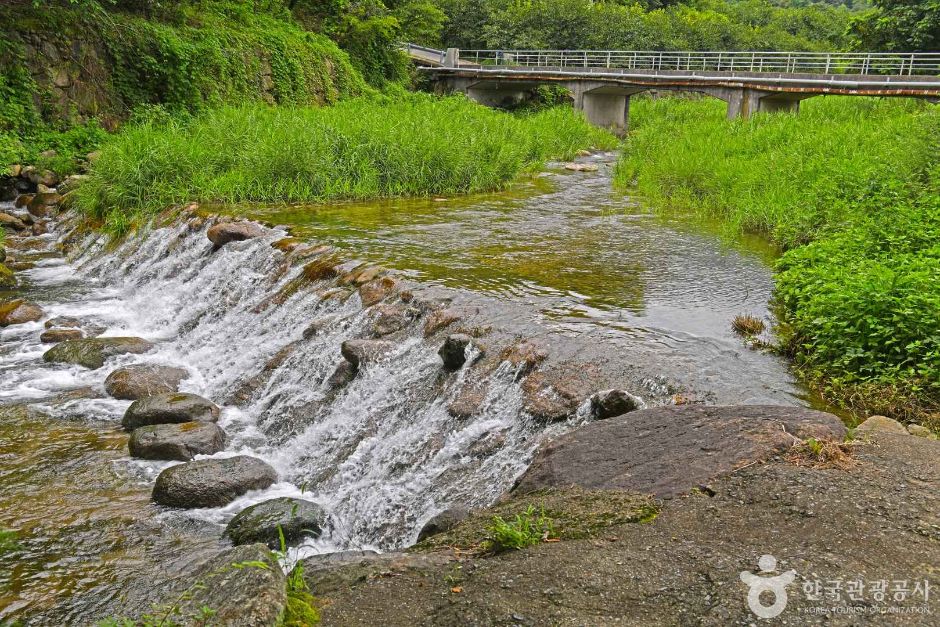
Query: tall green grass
(364, 148)
(850, 188)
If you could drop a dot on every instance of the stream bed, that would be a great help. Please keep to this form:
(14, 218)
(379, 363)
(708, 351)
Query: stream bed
(560, 256)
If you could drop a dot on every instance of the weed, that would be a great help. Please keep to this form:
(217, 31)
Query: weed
(823, 453)
(525, 530)
(747, 326)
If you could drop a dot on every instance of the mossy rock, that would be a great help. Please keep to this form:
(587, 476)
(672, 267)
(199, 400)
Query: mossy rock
(169, 408)
(297, 518)
(93, 352)
(7, 278)
(574, 513)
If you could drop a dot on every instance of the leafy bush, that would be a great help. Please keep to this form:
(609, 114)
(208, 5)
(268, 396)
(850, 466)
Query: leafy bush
(851, 189)
(525, 530)
(413, 145)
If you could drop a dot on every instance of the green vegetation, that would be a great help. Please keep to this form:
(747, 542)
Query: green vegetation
(104, 65)
(899, 25)
(849, 188)
(363, 148)
(643, 25)
(301, 610)
(525, 530)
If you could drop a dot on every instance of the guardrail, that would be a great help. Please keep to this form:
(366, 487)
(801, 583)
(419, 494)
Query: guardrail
(863, 63)
(431, 54)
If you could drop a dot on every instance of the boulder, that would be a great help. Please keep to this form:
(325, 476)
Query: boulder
(42, 202)
(444, 521)
(343, 375)
(51, 336)
(318, 326)
(454, 350)
(581, 167)
(667, 451)
(93, 352)
(241, 587)
(19, 311)
(222, 234)
(360, 352)
(388, 319)
(440, 319)
(139, 380)
(22, 200)
(169, 408)
(39, 228)
(211, 482)
(180, 442)
(610, 403)
(331, 573)
(297, 518)
(11, 223)
(881, 423)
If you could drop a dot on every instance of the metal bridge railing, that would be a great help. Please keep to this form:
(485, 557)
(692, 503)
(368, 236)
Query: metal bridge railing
(880, 63)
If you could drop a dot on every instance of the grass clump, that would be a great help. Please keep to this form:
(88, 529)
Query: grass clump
(747, 326)
(850, 189)
(824, 453)
(363, 148)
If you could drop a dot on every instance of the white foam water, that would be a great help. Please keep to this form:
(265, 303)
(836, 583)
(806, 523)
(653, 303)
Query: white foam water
(382, 455)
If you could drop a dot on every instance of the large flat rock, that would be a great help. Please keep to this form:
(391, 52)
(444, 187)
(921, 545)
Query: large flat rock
(667, 451)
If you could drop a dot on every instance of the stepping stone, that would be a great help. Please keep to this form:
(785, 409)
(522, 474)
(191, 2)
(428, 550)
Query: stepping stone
(297, 518)
(179, 442)
(212, 482)
(169, 408)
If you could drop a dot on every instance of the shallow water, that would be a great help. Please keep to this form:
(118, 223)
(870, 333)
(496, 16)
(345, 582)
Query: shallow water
(560, 255)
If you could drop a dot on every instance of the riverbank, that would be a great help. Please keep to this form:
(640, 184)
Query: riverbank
(849, 188)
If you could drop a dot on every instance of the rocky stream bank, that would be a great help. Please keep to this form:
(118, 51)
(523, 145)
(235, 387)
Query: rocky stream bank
(374, 411)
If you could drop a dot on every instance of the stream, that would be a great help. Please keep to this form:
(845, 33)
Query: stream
(559, 256)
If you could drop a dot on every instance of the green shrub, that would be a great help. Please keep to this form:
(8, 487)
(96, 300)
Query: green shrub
(364, 148)
(525, 530)
(850, 188)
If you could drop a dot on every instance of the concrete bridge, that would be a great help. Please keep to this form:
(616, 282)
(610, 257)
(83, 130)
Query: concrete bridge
(601, 82)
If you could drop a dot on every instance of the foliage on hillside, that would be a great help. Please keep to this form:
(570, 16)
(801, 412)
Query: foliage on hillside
(851, 187)
(362, 148)
(645, 25)
(62, 65)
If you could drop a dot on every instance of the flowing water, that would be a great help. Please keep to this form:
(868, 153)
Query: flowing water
(561, 257)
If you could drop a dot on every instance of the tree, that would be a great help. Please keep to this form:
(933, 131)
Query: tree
(899, 26)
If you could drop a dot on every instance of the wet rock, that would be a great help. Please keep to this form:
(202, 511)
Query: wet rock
(19, 311)
(343, 375)
(179, 442)
(42, 203)
(71, 182)
(454, 350)
(361, 352)
(93, 352)
(376, 290)
(222, 234)
(667, 451)
(39, 228)
(243, 587)
(63, 322)
(11, 223)
(388, 319)
(525, 355)
(610, 403)
(212, 482)
(581, 167)
(40, 177)
(557, 393)
(22, 200)
(469, 400)
(444, 521)
(335, 572)
(318, 326)
(440, 319)
(297, 519)
(140, 380)
(51, 336)
(172, 407)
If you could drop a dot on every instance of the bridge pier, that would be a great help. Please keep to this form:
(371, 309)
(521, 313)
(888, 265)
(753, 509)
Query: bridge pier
(743, 102)
(604, 106)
